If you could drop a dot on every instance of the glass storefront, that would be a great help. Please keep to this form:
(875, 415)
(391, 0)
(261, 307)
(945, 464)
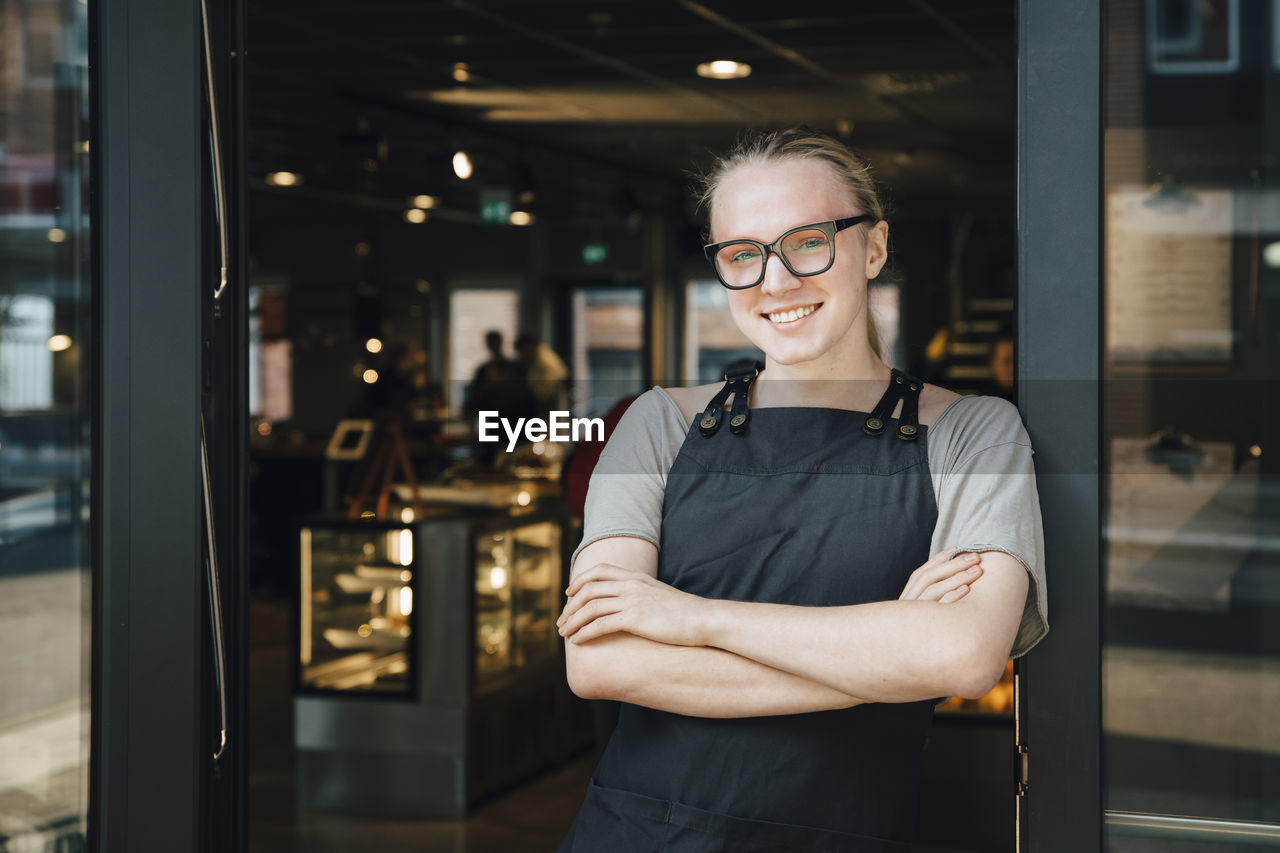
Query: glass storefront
(46, 388)
(1191, 276)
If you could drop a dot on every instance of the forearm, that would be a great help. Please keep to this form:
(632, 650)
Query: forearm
(696, 681)
(889, 651)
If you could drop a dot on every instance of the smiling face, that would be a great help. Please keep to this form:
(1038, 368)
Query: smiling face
(813, 326)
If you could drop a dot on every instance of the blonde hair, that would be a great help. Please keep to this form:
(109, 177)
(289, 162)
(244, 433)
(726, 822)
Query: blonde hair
(800, 143)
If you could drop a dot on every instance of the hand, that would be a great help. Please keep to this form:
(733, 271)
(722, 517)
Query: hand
(943, 580)
(606, 599)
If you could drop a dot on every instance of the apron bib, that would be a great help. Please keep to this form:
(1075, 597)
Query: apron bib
(804, 506)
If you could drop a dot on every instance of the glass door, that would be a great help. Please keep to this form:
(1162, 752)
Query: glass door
(1148, 362)
(46, 449)
(1191, 427)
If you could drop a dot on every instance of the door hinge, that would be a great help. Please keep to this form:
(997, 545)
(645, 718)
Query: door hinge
(1021, 769)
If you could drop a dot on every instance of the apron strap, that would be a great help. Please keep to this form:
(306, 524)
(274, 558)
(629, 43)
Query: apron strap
(738, 378)
(901, 387)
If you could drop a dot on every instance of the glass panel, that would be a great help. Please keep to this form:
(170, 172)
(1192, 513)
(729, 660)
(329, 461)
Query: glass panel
(608, 347)
(1191, 673)
(537, 564)
(46, 374)
(493, 606)
(356, 611)
(711, 338)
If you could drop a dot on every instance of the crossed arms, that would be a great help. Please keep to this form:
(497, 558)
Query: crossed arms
(633, 638)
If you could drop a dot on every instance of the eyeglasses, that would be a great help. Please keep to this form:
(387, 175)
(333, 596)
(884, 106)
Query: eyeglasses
(807, 250)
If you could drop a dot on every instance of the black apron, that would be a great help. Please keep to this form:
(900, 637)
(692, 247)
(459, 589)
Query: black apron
(805, 506)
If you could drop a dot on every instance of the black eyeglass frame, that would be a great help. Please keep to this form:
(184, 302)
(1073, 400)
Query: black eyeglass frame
(830, 228)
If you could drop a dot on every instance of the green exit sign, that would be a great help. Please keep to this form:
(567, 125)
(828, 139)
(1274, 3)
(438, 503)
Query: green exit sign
(595, 253)
(497, 211)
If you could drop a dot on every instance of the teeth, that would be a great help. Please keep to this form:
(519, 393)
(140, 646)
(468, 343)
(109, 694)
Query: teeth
(792, 315)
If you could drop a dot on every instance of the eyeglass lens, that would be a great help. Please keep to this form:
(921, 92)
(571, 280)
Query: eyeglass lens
(807, 252)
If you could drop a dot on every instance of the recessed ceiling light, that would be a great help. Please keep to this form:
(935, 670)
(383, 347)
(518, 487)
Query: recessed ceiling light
(284, 179)
(520, 217)
(59, 343)
(426, 202)
(724, 69)
(416, 215)
(462, 165)
(460, 72)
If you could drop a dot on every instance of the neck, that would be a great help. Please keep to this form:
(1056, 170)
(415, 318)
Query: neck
(844, 383)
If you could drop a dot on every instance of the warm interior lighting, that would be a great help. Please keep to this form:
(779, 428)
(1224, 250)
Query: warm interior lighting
(520, 217)
(724, 69)
(284, 179)
(264, 428)
(406, 547)
(370, 376)
(57, 235)
(460, 72)
(497, 577)
(1255, 450)
(406, 515)
(58, 343)
(373, 345)
(426, 202)
(462, 165)
(406, 601)
(1271, 254)
(415, 215)
(523, 498)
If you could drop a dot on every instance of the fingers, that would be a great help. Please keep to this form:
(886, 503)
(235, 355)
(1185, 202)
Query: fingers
(588, 614)
(955, 594)
(610, 624)
(590, 591)
(924, 581)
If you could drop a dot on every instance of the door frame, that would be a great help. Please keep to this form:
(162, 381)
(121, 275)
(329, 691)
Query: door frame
(145, 784)
(1059, 328)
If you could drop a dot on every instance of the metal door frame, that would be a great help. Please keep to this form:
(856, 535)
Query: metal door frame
(1059, 328)
(145, 739)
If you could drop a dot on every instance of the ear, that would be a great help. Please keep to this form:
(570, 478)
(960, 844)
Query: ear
(877, 248)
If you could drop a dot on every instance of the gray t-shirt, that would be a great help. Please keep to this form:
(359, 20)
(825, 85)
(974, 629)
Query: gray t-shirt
(979, 461)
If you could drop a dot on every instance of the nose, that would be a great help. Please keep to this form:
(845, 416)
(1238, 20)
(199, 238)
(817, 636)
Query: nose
(777, 278)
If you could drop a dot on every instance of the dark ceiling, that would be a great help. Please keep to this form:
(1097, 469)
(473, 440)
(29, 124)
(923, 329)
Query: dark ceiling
(590, 95)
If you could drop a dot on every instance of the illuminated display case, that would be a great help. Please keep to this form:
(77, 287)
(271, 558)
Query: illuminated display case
(429, 670)
(356, 608)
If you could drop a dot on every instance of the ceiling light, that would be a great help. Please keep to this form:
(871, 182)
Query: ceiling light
(57, 235)
(520, 217)
(284, 179)
(460, 72)
(416, 215)
(370, 376)
(462, 165)
(426, 202)
(724, 69)
(58, 343)
(1271, 255)
(373, 345)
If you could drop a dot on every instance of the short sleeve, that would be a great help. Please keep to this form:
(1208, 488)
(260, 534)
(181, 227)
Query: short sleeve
(985, 485)
(627, 486)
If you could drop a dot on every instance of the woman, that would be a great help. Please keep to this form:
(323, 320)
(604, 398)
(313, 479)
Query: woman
(745, 583)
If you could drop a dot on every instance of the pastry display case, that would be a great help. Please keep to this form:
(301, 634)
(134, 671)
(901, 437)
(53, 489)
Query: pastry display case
(429, 672)
(356, 608)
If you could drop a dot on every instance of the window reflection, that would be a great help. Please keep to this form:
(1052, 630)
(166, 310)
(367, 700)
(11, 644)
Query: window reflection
(1191, 668)
(45, 573)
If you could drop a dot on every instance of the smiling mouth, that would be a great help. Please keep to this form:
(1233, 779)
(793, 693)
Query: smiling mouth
(791, 315)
